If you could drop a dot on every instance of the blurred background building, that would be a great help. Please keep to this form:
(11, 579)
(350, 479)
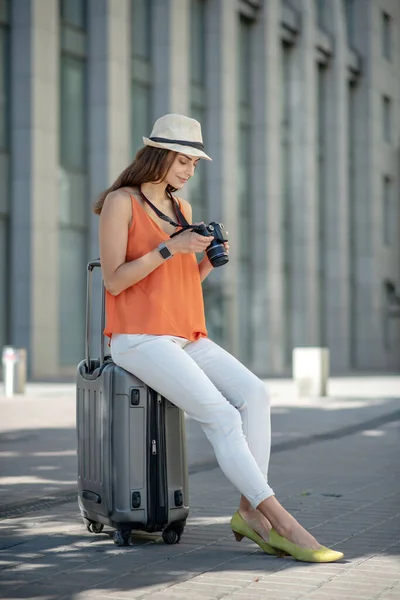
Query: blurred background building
(299, 101)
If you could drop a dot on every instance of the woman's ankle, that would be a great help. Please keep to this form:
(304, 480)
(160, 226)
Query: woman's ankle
(244, 505)
(284, 529)
(286, 525)
(281, 520)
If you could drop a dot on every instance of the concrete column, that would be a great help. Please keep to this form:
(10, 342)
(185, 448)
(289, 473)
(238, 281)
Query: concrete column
(109, 70)
(119, 86)
(335, 253)
(109, 64)
(222, 143)
(305, 292)
(267, 194)
(171, 84)
(34, 189)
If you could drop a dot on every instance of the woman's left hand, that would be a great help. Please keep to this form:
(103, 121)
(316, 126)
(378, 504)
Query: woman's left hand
(226, 246)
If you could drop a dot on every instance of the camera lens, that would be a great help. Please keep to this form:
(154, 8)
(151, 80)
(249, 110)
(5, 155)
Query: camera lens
(217, 254)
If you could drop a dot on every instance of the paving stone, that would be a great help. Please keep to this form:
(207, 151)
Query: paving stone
(208, 587)
(364, 520)
(255, 594)
(270, 586)
(327, 596)
(87, 594)
(170, 594)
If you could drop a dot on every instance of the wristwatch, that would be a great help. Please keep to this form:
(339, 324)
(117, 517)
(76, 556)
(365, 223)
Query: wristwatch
(163, 250)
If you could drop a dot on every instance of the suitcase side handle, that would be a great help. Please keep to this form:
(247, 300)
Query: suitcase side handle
(92, 265)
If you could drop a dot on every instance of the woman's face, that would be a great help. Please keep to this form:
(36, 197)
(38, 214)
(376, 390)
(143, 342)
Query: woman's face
(181, 170)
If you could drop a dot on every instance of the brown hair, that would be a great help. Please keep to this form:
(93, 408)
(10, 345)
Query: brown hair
(150, 164)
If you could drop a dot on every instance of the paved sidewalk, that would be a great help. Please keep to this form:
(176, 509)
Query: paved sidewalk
(38, 438)
(335, 465)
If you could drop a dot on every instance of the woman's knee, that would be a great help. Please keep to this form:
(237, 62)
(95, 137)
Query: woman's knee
(260, 395)
(225, 419)
(257, 395)
(263, 394)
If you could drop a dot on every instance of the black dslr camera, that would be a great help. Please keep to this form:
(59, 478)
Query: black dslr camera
(216, 252)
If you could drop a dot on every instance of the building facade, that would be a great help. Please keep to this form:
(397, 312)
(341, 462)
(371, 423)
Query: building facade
(299, 102)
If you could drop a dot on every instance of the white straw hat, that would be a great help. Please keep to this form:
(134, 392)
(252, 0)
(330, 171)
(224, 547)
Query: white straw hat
(178, 133)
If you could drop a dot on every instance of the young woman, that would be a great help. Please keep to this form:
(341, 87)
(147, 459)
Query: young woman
(155, 319)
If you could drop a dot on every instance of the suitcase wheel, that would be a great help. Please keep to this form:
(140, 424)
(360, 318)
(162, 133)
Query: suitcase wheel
(171, 536)
(93, 526)
(122, 537)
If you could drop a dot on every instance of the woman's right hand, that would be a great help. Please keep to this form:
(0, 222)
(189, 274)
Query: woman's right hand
(188, 242)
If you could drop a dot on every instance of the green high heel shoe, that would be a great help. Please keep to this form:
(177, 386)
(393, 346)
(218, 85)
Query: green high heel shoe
(241, 529)
(322, 555)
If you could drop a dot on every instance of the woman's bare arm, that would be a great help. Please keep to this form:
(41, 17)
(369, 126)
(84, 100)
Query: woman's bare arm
(205, 268)
(115, 218)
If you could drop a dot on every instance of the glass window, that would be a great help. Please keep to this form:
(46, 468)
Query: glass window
(72, 293)
(197, 41)
(74, 204)
(4, 182)
(216, 309)
(141, 95)
(73, 12)
(245, 245)
(244, 188)
(141, 114)
(389, 215)
(320, 12)
(286, 157)
(387, 118)
(390, 337)
(352, 203)
(5, 90)
(386, 36)
(5, 12)
(4, 87)
(244, 183)
(214, 302)
(4, 232)
(348, 10)
(198, 183)
(197, 100)
(352, 240)
(244, 79)
(321, 166)
(73, 113)
(141, 28)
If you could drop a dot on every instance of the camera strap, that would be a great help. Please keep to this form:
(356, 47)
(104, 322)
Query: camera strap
(181, 218)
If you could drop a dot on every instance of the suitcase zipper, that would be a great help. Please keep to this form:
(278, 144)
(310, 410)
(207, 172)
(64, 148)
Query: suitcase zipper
(162, 507)
(157, 503)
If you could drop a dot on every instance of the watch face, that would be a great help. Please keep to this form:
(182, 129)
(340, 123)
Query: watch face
(165, 253)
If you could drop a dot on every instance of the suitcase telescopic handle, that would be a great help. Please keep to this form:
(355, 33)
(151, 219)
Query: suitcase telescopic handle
(90, 267)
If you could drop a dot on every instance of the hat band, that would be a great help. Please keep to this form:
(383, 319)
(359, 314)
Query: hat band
(197, 145)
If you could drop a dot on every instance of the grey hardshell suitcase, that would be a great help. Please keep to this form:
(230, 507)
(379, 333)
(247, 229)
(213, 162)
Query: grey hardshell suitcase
(132, 465)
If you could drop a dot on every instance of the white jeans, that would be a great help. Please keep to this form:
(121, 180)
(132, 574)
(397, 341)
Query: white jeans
(211, 386)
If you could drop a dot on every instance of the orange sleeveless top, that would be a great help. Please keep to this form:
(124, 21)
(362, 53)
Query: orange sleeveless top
(169, 301)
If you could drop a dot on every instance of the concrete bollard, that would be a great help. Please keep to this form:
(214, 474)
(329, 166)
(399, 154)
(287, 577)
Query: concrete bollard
(14, 370)
(311, 371)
